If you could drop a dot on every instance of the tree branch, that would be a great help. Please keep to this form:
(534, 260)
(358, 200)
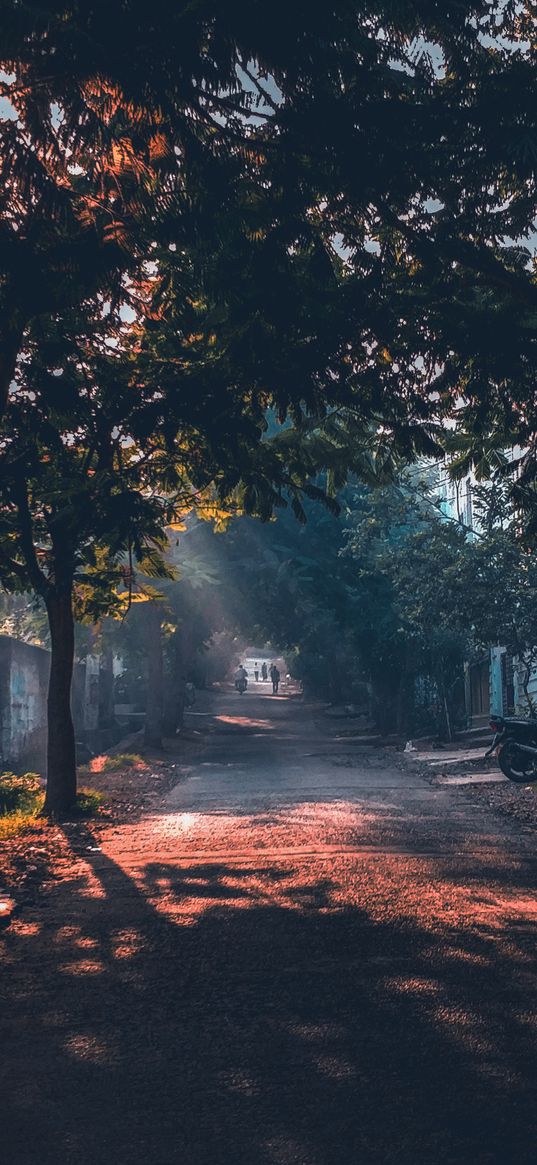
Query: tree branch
(481, 260)
(36, 576)
(262, 92)
(16, 567)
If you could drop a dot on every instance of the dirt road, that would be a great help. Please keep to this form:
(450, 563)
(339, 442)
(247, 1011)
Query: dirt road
(309, 956)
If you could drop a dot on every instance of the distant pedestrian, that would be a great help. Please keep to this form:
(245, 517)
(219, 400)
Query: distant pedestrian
(275, 677)
(264, 672)
(256, 672)
(241, 679)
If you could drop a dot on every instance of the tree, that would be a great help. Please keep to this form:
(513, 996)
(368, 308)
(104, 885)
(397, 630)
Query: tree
(366, 601)
(79, 506)
(390, 594)
(400, 536)
(499, 579)
(383, 153)
(86, 504)
(161, 643)
(202, 171)
(456, 590)
(286, 582)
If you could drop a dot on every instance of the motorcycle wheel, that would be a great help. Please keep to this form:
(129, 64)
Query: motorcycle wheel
(517, 766)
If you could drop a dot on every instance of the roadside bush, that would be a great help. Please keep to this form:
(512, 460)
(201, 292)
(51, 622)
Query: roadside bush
(123, 760)
(21, 802)
(88, 802)
(19, 793)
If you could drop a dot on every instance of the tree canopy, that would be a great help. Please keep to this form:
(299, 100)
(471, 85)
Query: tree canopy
(215, 217)
(391, 598)
(351, 175)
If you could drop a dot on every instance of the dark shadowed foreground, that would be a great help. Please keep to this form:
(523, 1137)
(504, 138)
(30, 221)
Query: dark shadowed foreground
(309, 957)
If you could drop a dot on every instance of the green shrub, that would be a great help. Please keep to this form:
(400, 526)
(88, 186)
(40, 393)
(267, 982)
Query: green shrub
(21, 802)
(19, 793)
(123, 760)
(88, 802)
(15, 824)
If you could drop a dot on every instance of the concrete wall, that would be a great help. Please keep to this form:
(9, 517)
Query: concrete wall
(23, 704)
(24, 672)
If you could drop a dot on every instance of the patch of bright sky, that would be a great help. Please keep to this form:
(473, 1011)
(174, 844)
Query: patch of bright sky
(417, 50)
(420, 47)
(56, 115)
(7, 111)
(127, 313)
(274, 93)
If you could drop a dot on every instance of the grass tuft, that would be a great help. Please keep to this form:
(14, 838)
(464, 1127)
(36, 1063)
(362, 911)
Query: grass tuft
(112, 764)
(88, 802)
(22, 799)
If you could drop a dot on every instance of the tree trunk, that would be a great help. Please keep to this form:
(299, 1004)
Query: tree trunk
(60, 799)
(383, 705)
(174, 700)
(449, 730)
(402, 704)
(335, 687)
(106, 688)
(154, 709)
(174, 708)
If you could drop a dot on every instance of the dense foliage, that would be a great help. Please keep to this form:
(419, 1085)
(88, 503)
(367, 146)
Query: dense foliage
(384, 605)
(216, 214)
(350, 177)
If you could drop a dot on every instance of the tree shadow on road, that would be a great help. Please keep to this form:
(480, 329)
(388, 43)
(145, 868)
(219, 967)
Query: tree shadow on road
(214, 1012)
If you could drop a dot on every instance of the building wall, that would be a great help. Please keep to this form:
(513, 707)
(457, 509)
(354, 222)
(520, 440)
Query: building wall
(23, 704)
(520, 699)
(24, 672)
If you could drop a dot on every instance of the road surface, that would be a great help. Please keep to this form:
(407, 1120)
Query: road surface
(309, 956)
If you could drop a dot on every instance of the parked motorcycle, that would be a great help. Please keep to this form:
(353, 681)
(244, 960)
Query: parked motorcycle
(515, 745)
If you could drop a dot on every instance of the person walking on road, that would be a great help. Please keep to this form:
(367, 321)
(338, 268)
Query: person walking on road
(256, 672)
(264, 672)
(275, 677)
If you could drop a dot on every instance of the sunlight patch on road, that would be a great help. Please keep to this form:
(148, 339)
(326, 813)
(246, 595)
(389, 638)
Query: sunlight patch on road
(89, 1048)
(82, 967)
(187, 821)
(246, 722)
(461, 1024)
(91, 885)
(126, 943)
(334, 1067)
(405, 985)
(237, 1080)
(473, 779)
(384, 887)
(25, 929)
(85, 943)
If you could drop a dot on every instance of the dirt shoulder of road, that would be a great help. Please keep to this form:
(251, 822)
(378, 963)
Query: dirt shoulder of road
(479, 780)
(518, 802)
(42, 851)
(461, 765)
